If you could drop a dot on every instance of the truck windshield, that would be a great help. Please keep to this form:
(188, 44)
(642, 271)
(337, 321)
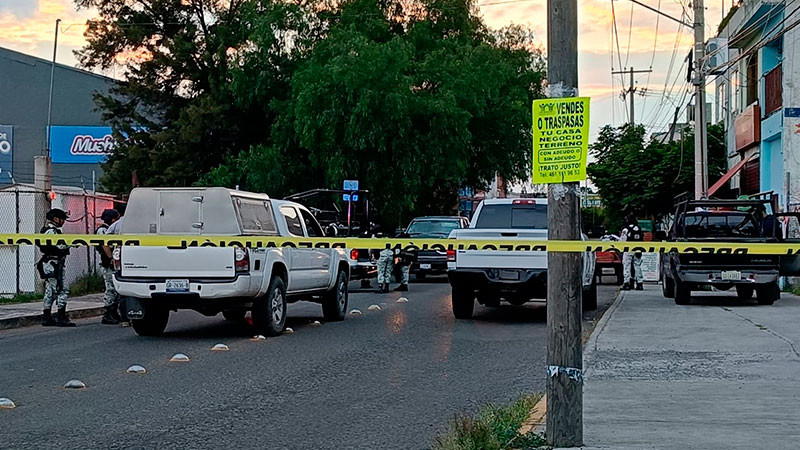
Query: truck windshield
(732, 224)
(432, 227)
(513, 216)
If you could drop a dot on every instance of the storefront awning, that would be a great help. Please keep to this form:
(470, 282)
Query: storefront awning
(725, 178)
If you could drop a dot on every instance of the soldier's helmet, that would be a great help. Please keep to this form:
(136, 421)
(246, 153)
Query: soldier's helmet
(56, 213)
(109, 215)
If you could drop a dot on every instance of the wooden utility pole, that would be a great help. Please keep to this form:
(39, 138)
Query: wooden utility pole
(699, 81)
(564, 348)
(631, 89)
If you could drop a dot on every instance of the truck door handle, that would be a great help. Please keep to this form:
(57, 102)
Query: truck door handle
(508, 234)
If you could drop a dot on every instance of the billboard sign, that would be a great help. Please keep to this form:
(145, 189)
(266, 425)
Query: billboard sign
(6, 152)
(80, 145)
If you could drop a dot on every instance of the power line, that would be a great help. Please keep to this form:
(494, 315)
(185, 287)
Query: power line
(619, 53)
(630, 33)
(653, 58)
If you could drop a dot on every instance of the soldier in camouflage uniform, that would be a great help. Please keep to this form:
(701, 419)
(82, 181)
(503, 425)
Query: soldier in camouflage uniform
(111, 299)
(51, 269)
(385, 262)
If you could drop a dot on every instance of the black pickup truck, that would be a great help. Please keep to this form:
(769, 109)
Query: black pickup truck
(746, 221)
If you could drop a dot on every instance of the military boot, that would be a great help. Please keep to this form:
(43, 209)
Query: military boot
(47, 319)
(402, 288)
(108, 316)
(62, 320)
(639, 286)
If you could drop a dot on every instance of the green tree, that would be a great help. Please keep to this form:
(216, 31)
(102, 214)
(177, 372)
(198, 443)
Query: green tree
(643, 176)
(413, 99)
(181, 106)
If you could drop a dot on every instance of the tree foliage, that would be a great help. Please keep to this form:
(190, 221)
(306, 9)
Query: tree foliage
(643, 176)
(413, 98)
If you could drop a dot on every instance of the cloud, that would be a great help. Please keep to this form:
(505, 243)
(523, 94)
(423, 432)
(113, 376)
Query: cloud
(28, 27)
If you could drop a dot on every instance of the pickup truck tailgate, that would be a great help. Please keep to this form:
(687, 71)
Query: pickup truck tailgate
(483, 259)
(163, 262)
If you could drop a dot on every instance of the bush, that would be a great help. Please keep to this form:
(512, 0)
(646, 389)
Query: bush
(493, 428)
(90, 283)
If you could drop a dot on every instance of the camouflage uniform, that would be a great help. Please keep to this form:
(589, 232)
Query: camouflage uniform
(107, 271)
(385, 262)
(52, 265)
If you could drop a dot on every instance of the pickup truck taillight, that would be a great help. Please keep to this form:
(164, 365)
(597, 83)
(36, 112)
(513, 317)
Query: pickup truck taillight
(354, 254)
(451, 255)
(241, 260)
(116, 256)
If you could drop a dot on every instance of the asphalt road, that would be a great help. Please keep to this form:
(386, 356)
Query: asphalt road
(385, 379)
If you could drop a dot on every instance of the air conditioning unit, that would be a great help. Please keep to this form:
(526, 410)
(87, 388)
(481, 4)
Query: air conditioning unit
(717, 48)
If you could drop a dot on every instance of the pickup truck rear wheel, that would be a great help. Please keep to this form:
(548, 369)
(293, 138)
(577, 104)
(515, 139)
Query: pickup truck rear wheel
(154, 321)
(683, 295)
(768, 293)
(667, 286)
(334, 303)
(269, 311)
(463, 302)
(744, 292)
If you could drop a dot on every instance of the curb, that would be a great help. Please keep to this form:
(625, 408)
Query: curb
(36, 319)
(538, 418)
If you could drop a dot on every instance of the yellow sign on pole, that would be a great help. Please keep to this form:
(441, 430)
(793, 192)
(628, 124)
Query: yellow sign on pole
(560, 139)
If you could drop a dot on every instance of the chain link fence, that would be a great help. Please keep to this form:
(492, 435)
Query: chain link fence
(23, 211)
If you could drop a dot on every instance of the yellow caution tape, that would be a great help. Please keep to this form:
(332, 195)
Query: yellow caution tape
(725, 248)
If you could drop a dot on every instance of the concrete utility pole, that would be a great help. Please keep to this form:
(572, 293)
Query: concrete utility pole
(631, 90)
(50, 97)
(564, 349)
(700, 140)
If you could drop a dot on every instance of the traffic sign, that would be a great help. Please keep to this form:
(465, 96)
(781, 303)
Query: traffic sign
(346, 197)
(350, 185)
(560, 139)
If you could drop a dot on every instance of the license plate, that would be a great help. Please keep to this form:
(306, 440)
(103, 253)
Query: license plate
(425, 266)
(731, 275)
(509, 275)
(177, 285)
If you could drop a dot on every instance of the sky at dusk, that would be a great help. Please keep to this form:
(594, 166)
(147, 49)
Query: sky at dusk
(28, 26)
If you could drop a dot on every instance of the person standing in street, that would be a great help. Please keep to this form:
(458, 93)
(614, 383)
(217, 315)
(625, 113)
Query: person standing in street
(385, 261)
(116, 228)
(404, 259)
(51, 269)
(632, 232)
(111, 299)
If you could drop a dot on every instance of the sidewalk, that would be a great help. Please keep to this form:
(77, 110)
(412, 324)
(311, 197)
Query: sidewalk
(25, 314)
(717, 374)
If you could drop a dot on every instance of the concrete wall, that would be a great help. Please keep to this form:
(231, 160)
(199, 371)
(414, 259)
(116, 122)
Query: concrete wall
(24, 91)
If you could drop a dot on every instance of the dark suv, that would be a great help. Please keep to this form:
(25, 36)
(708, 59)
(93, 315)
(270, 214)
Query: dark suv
(432, 262)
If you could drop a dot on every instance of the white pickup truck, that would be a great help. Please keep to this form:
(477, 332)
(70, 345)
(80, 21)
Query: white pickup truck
(516, 277)
(232, 280)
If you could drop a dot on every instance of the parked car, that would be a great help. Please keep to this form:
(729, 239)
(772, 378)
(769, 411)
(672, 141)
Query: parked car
(513, 276)
(348, 220)
(611, 259)
(745, 221)
(432, 262)
(231, 280)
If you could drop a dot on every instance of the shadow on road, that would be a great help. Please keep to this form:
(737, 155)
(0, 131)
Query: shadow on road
(717, 300)
(511, 314)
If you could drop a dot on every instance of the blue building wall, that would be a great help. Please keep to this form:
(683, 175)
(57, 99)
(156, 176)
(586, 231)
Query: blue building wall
(771, 165)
